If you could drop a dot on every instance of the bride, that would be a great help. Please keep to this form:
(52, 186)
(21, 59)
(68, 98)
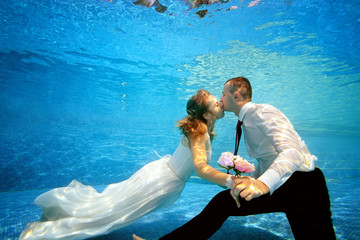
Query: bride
(79, 211)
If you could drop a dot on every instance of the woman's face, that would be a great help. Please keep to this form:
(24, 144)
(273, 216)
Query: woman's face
(215, 107)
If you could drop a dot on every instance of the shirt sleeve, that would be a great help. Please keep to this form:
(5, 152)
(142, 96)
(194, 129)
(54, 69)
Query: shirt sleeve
(280, 133)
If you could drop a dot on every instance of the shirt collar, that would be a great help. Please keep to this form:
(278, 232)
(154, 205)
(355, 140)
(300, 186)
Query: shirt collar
(244, 109)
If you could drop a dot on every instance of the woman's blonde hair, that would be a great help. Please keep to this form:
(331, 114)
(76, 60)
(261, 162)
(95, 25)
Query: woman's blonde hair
(194, 124)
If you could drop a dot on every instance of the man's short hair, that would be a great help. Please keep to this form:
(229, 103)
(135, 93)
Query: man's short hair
(242, 85)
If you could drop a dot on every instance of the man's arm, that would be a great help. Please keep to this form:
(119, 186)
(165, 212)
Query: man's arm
(278, 130)
(281, 134)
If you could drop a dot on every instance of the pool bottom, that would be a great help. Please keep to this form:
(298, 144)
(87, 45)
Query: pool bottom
(17, 210)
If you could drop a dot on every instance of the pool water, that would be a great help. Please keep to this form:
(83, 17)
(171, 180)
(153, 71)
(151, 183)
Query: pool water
(91, 90)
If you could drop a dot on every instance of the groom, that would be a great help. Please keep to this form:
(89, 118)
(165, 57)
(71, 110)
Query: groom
(286, 178)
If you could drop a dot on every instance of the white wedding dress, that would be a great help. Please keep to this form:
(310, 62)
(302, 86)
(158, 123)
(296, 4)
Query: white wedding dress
(79, 211)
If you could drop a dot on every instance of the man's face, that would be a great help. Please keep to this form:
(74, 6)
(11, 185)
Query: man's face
(227, 99)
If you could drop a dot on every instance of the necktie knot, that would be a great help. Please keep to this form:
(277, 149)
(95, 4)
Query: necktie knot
(238, 136)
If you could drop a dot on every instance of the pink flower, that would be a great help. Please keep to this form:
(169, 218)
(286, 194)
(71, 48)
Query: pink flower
(242, 165)
(226, 160)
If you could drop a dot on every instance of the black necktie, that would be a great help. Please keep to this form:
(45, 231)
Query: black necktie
(238, 136)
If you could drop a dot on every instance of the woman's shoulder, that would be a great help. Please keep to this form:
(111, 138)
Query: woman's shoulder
(186, 142)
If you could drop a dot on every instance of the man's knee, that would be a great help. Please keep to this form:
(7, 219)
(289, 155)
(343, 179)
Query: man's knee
(221, 204)
(224, 197)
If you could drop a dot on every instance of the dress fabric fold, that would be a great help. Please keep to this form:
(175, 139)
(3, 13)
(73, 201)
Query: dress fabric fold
(78, 211)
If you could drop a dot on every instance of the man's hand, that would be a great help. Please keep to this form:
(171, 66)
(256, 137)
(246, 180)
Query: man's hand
(248, 188)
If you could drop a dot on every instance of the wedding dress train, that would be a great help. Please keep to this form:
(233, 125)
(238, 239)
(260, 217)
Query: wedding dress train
(79, 211)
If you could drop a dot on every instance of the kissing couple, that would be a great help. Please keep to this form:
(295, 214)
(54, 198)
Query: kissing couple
(286, 179)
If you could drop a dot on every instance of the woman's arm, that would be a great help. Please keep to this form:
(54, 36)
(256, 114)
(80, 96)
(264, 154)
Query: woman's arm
(205, 171)
(202, 168)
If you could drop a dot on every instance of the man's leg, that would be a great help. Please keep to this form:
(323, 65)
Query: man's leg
(207, 222)
(204, 225)
(309, 214)
(304, 198)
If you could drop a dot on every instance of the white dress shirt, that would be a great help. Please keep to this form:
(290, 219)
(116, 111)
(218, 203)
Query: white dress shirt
(271, 139)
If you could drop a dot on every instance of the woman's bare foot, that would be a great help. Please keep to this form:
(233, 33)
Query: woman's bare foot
(137, 238)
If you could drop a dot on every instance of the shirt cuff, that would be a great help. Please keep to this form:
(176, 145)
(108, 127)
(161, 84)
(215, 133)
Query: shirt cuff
(271, 179)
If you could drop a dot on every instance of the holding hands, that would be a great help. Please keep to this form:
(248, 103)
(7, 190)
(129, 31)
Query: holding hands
(244, 187)
(248, 188)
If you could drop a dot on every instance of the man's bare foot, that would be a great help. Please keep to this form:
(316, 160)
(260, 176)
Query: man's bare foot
(137, 238)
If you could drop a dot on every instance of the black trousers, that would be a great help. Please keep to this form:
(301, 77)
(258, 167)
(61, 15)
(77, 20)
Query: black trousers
(303, 198)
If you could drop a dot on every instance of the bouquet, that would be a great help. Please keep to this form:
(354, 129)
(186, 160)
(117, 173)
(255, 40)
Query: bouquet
(228, 161)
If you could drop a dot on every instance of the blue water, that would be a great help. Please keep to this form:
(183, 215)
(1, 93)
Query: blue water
(90, 89)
